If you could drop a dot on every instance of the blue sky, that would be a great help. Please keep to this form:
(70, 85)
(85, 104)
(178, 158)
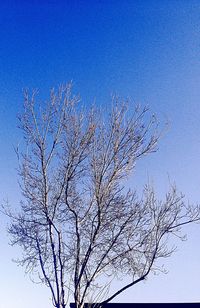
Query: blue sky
(146, 50)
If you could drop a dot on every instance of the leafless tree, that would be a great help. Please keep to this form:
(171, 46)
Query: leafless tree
(79, 225)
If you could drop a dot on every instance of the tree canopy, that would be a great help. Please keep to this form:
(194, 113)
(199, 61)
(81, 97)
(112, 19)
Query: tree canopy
(79, 225)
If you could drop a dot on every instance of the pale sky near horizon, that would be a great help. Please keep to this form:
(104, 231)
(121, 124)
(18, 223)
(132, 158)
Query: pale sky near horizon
(146, 50)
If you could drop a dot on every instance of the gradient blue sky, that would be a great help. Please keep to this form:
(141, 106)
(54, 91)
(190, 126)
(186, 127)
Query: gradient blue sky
(146, 50)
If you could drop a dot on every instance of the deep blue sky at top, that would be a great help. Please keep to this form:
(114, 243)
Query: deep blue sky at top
(147, 50)
(127, 46)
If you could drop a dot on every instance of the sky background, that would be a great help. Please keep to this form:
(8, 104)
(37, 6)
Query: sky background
(146, 50)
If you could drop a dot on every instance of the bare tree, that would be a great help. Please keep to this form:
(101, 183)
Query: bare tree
(79, 225)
